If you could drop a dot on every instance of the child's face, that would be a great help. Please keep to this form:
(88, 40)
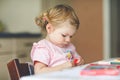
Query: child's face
(61, 35)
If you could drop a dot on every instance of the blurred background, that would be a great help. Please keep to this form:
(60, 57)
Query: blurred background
(96, 39)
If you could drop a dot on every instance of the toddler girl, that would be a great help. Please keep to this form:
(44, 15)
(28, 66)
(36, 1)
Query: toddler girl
(56, 52)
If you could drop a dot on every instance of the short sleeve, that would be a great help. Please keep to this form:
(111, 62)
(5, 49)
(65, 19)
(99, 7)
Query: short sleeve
(40, 54)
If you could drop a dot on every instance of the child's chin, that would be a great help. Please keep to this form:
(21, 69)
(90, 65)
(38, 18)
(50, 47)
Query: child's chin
(63, 46)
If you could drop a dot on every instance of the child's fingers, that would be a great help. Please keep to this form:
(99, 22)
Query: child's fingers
(77, 62)
(81, 61)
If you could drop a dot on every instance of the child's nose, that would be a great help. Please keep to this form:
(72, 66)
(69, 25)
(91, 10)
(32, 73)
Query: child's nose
(67, 39)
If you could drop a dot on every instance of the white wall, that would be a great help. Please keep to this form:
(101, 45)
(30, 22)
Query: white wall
(18, 15)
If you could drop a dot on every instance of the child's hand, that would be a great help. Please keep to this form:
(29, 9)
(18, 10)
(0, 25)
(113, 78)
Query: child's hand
(77, 62)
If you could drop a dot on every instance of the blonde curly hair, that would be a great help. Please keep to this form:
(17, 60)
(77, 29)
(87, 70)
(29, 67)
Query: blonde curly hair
(57, 15)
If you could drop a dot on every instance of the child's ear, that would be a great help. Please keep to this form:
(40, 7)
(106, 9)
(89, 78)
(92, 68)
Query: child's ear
(49, 28)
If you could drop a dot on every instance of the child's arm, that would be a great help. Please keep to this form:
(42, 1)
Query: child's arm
(42, 68)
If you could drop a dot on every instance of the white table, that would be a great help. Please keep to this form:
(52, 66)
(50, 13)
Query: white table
(68, 74)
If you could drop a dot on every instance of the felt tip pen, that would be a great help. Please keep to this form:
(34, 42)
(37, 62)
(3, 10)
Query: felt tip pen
(117, 63)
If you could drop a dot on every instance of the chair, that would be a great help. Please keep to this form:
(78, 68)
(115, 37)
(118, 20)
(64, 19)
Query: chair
(17, 69)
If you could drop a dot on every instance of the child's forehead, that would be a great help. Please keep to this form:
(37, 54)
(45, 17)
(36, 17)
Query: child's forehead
(66, 29)
(65, 24)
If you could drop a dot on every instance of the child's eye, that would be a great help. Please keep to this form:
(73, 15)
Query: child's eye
(63, 35)
(71, 36)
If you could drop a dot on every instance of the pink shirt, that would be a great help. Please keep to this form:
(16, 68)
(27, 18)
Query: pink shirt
(52, 55)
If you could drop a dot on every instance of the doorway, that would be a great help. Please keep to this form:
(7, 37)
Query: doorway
(115, 28)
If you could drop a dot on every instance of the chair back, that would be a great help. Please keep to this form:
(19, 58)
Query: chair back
(17, 69)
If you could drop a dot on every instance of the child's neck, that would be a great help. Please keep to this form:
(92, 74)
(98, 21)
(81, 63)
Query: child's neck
(47, 38)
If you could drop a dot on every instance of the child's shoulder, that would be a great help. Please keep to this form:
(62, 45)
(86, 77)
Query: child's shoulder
(41, 43)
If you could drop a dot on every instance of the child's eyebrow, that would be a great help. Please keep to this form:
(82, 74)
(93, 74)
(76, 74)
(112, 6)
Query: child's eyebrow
(68, 34)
